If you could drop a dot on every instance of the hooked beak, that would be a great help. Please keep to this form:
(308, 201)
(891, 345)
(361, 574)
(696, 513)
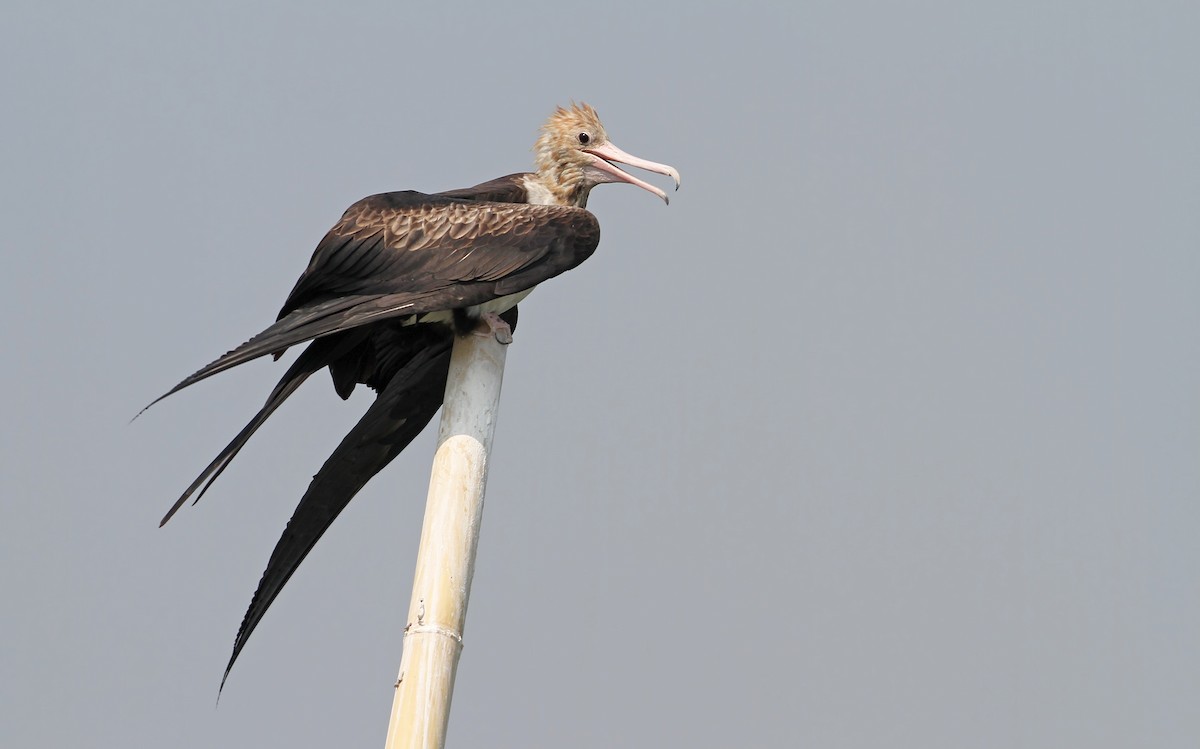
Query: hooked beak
(604, 171)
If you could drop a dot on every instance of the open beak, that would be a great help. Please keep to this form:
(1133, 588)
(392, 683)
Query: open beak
(605, 171)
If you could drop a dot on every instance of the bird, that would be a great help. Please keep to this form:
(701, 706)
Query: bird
(384, 295)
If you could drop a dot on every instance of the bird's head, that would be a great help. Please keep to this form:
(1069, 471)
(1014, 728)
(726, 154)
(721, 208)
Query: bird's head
(574, 155)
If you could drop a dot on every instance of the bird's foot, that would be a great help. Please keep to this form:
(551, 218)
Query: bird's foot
(492, 325)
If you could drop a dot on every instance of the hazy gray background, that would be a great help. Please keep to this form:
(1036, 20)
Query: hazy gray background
(885, 433)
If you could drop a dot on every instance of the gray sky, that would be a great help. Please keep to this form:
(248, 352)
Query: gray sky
(885, 433)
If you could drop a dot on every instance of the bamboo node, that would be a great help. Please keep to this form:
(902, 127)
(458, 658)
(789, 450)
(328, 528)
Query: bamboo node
(435, 629)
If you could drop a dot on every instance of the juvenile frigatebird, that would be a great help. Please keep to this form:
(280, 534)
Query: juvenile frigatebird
(386, 291)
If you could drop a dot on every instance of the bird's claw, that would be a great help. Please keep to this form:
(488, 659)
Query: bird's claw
(491, 324)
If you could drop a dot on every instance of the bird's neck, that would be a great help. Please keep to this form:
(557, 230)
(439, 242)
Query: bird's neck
(543, 190)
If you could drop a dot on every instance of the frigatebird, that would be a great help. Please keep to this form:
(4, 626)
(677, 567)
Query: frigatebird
(386, 291)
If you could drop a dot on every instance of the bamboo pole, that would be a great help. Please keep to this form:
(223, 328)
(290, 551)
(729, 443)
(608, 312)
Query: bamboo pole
(449, 537)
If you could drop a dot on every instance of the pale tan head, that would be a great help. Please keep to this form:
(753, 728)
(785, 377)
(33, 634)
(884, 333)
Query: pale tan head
(573, 155)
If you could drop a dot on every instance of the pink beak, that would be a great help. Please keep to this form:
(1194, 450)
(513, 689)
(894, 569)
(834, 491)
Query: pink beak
(604, 171)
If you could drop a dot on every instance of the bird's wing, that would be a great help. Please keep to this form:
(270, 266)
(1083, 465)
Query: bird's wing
(399, 413)
(407, 243)
(507, 189)
(404, 253)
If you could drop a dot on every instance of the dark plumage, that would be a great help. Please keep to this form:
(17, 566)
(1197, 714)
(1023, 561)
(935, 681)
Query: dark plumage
(383, 296)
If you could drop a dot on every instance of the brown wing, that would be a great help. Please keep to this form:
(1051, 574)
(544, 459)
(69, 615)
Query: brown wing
(405, 253)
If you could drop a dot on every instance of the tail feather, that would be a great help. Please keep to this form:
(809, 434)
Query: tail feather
(317, 355)
(401, 411)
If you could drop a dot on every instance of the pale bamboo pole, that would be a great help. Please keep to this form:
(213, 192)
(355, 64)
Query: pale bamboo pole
(449, 536)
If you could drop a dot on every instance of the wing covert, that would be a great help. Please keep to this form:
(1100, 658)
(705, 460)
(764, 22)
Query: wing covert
(411, 243)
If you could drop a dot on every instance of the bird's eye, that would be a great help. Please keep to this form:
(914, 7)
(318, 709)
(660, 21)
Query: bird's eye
(584, 138)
